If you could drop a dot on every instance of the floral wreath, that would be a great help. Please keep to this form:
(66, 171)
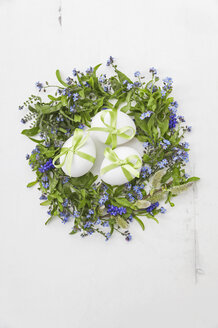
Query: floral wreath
(153, 178)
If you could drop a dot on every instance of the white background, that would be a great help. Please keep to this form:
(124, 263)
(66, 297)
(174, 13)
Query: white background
(166, 276)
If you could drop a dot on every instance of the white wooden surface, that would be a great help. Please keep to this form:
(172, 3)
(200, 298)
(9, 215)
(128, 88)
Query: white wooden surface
(167, 276)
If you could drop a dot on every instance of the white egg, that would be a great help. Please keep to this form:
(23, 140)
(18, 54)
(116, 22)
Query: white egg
(122, 121)
(80, 166)
(116, 176)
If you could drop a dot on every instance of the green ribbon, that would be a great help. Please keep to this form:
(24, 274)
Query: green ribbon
(112, 128)
(129, 165)
(78, 141)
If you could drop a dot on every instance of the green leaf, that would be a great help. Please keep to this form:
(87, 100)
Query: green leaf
(53, 184)
(45, 203)
(31, 132)
(193, 179)
(83, 181)
(60, 79)
(124, 202)
(122, 77)
(95, 69)
(49, 219)
(30, 184)
(139, 221)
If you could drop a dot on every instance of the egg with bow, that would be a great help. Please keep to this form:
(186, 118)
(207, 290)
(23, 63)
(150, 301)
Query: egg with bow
(77, 155)
(112, 127)
(120, 165)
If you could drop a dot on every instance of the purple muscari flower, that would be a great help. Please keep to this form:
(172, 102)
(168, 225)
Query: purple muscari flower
(163, 210)
(128, 237)
(173, 121)
(74, 72)
(27, 156)
(43, 197)
(114, 210)
(146, 114)
(89, 70)
(110, 61)
(39, 85)
(47, 166)
(137, 74)
(75, 96)
(150, 208)
(153, 70)
(108, 235)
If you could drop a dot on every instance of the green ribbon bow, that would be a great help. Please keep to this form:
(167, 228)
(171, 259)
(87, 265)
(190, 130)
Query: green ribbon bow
(112, 128)
(129, 165)
(77, 142)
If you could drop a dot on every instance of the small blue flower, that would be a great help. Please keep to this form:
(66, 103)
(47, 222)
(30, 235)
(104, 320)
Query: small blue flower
(75, 96)
(108, 235)
(89, 70)
(39, 85)
(98, 221)
(128, 237)
(130, 218)
(163, 210)
(145, 115)
(131, 197)
(162, 163)
(43, 197)
(105, 88)
(125, 81)
(74, 72)
(153, 70)
(150, 208)
(27, 156)
(146, 144)
(65, 203)
(189, 128)
(137, 74)
(110, 61)
(65, 180)
(72, 109)
(163, 93)
(129, 86)
(102, 78)
(81, 126)
(23, 121)
(106, 224)
(76, 214)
